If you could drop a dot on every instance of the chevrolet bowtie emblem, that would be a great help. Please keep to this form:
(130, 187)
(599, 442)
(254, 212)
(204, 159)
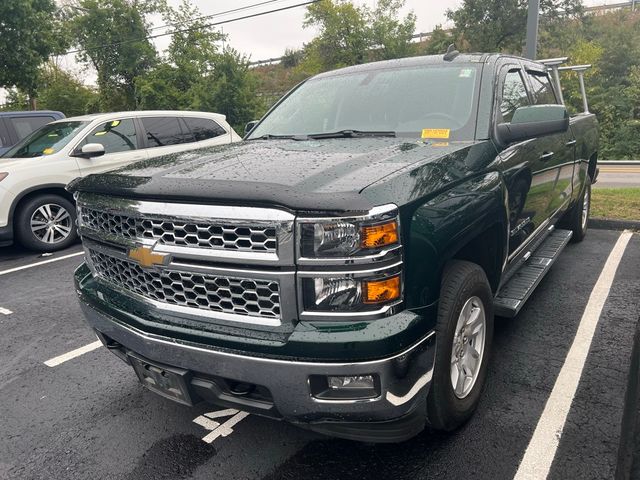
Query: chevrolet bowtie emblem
(147, 258)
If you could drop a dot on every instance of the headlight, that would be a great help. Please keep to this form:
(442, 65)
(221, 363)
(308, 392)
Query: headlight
(354, 264)
(347, 237)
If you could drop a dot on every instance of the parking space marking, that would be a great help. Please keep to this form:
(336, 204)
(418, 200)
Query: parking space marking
(5, 311)
(542, 448)
(37, 264)
(54, 362)
(217, 430)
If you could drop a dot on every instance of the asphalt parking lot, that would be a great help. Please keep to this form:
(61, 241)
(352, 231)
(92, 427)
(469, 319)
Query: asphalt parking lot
(87, 416)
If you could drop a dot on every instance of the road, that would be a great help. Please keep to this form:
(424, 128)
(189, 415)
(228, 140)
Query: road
(612, 176)
(88, 417)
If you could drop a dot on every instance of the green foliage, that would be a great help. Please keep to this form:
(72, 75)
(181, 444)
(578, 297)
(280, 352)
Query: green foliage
(438, 42)
(29, 33)
(62, 91)
(350, 34)
(229, 89)
(111, 34)
(500, 25)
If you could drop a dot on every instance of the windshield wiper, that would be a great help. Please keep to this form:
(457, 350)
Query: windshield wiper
(352, 134)
(269, 136)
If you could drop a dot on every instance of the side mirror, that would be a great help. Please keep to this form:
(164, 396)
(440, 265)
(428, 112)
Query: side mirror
(90, 150)
(249, 126)
(533, 121)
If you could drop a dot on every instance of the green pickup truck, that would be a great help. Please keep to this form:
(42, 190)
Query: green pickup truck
(341, 267)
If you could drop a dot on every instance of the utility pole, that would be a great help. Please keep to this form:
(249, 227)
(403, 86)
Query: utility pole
(532, 28)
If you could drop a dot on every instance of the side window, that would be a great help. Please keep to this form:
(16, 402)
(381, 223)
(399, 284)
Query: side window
(25, 125)
(163, 131)
(543, 93)
(115, 136)
(204, 128)
(514, 95)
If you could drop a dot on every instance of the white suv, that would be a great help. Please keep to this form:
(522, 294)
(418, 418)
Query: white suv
(36, 209)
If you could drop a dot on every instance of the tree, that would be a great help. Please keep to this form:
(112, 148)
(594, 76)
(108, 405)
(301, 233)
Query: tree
(391, 33)
(191, 55)
(63, 91)
(500, 25)
(343, 37)
(22, 50)
(112, 37)
(230, 89)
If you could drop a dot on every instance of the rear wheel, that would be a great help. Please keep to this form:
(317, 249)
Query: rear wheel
(464, 333)
(46, 223)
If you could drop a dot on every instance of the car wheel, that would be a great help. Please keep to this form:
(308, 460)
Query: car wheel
(464, 333)
(46, 223)
(578, 220)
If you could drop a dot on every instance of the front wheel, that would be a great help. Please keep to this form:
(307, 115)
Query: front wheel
(578, 218)
(464, 333)
(46, 223)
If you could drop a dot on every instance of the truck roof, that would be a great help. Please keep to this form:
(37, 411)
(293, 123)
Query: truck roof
(418, 61)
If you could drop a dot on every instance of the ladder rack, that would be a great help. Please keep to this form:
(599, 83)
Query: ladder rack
(554, 66)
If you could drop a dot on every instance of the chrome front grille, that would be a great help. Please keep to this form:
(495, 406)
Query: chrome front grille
(212, 293)
(179, 232)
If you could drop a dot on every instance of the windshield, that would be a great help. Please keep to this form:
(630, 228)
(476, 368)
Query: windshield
(410, 101)
(45, 141)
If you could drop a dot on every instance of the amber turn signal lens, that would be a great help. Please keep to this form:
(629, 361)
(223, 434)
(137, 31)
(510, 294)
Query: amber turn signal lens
(379, 291)
(379, 235)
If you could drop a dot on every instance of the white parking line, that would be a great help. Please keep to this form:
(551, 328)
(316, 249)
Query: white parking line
(37, 264)
(54, 362)
(542, 448)
(5, 311)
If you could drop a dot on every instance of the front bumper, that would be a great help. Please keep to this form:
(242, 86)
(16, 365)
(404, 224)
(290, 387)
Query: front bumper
(396, 414)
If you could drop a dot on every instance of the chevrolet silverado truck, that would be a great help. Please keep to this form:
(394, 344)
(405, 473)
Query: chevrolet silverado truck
(341, 267)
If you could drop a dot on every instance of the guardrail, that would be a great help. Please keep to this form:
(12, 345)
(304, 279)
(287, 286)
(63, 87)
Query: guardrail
(619, 162)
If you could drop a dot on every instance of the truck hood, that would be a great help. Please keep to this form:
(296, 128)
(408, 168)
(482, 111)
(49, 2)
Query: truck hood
(326, 175)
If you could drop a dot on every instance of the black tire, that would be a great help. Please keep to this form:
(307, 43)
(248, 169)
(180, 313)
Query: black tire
(26, 235)
(461, 282)
(574, 218)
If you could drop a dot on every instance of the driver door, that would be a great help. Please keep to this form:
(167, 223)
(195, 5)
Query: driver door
(120, 140)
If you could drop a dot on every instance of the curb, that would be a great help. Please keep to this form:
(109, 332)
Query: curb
(628, 464)
(613, 224)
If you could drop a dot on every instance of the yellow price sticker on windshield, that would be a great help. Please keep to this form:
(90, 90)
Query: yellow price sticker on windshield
(99, 134)
(48, 151)
(435, 132)
(115, 123)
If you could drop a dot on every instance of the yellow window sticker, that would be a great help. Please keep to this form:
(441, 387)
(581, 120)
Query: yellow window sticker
(48, 151)
(435, 133)
(115, 123)
(98, 134)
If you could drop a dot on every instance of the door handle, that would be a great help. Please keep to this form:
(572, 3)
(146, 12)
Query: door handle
(570, 143)
(546, 156)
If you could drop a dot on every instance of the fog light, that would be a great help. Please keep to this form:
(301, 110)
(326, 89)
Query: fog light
(351, 382)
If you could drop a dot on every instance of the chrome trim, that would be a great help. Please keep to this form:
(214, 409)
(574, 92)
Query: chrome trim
(381, 256)
(391, 269)
(379, 213)
(281, 220)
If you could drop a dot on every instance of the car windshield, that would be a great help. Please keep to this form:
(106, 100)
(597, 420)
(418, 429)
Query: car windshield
(409, 101)
(45, 141)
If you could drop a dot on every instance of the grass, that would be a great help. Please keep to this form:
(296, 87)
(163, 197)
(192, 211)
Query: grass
(618, 203)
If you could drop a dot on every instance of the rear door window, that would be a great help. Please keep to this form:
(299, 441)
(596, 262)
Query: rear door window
(543, 93)
(203, 128)
(114, 135)
(514, 95)
(163, 131)
(26, 125)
